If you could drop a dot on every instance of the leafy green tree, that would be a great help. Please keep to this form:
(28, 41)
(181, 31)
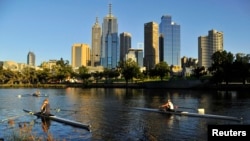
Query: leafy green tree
(129, 69)
(84, 73)
(199, 72)
(221, 66)
(62, 70)
(162, 69)
(43, 75)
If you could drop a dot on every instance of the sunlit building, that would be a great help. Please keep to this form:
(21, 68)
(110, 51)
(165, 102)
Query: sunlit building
(207, 46)
(80, 55)
(96, 44)
(136, 55)
(170, 32)
(31, 59)
(151, 45)
(110, 52)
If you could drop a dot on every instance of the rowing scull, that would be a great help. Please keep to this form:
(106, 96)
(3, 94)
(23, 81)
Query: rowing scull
(61, 120)
(190, 114)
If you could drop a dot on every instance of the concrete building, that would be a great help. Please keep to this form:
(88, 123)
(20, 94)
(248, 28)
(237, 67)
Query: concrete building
(80, 55)
(96, 44)
(31, 59)
(151, 45)
(207, 46)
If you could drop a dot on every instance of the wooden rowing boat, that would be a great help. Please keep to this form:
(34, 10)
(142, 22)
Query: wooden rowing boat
(59, 119)
(190, 114)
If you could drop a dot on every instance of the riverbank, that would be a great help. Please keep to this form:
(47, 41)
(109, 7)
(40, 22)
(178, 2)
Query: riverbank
(174, 84)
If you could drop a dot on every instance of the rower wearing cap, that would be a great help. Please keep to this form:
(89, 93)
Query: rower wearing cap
(45, 108)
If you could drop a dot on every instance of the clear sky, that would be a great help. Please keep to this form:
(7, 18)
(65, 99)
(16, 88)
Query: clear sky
(49, 28)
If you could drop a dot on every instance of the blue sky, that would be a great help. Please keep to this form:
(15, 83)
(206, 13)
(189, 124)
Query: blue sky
(50, 27)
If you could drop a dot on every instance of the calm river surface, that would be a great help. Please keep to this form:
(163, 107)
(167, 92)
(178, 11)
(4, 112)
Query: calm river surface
(112, 118)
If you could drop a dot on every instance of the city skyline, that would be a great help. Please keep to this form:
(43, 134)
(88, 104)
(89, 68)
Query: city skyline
(49, 28)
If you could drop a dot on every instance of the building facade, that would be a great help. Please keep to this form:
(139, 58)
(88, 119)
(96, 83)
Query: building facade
(31, 59)
(151, 45)
(96, 44)
(207, 45)
(80, 55)
(136, 55)
(125, 44)
(172, 41)
(110, 53)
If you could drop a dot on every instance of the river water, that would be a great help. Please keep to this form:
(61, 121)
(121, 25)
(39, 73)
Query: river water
(112, 117)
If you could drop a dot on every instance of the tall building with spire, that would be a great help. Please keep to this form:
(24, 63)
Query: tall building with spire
(31, 59)
(96, 44)
(170, 32)
(207, 45)
(151, 45)
(110, 53)
(125, 44)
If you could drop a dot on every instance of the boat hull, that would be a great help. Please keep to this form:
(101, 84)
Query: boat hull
(59, 119)
(190, 114)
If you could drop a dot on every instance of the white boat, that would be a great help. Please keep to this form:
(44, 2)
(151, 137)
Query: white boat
(59, 119)
(190, 114)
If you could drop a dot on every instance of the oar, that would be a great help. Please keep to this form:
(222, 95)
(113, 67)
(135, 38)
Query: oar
(14, 117)
(185, 107)
(58, 110)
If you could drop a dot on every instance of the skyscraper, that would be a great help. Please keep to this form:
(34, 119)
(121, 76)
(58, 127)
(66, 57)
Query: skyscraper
(80, 55)
(207, 45)
(110, 53)
(151, 45)
(125, 44)
(31, 59)
(172, 43)
(96, 44)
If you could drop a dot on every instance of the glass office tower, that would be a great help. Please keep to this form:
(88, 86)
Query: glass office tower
(172, 41)
(110, 53)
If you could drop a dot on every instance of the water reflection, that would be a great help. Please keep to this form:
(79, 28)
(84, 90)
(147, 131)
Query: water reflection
(110, 114)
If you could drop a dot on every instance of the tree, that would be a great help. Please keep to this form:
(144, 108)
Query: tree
(198, 72)
(129, 69)
(221, 66)
(62, 69)
(162, 69)
(84, 73)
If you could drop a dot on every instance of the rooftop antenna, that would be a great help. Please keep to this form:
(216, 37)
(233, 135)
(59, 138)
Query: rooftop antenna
(96, 20)
(110, 9)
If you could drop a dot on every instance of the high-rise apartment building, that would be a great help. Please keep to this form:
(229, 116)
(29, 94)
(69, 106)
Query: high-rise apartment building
(172, 41)
(31, 59)
(207, 45)
(110, 53)
(125, 44)
(96, 44)
(80, 55)
(151, 45)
